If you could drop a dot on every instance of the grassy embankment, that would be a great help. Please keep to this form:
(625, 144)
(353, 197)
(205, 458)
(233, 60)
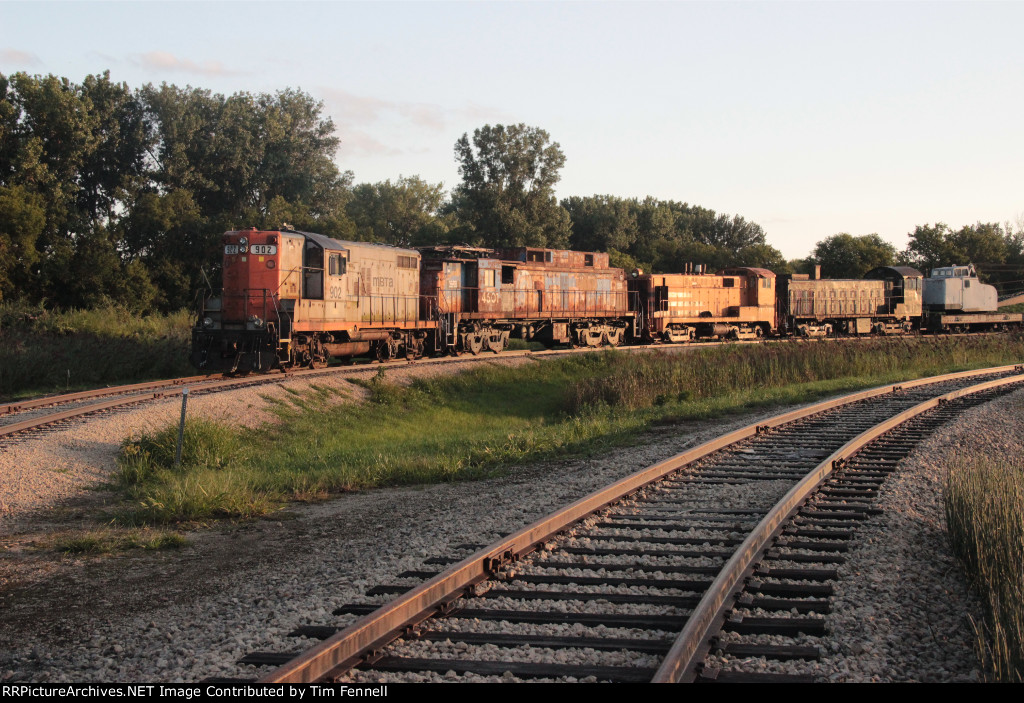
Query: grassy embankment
(478, 422)
(984, 503)
(44, 351)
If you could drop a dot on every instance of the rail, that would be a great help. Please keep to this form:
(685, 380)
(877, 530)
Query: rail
(346, 648)
(680, 665)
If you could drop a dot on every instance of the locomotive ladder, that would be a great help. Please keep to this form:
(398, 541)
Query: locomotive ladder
(451, 329)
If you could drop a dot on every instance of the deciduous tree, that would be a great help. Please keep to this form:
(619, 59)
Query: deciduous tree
(846, 256)
(403, 213)
(506, 197)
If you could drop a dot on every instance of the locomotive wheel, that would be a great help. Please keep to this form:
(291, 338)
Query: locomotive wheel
(589, 339)
(474, 343)
(384, 351)
(614, 337)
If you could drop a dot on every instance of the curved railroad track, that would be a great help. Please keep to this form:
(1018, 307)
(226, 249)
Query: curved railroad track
(638, 581)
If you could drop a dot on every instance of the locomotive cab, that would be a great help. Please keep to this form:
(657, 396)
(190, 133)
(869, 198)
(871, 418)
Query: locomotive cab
(958, 288)
(956, 301)
(297, 298)
(903, 290)
(244, 328)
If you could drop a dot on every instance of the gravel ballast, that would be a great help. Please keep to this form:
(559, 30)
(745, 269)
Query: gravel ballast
(189, 614)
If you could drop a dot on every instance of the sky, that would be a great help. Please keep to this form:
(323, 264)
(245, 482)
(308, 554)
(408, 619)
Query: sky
(808, 118)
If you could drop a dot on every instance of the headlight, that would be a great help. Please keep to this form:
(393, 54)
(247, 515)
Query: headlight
(256, 321)
(243, 240)
(207, 322)
(242, 248)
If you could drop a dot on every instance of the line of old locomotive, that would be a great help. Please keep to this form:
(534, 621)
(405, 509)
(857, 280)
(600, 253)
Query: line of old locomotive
(295, 298)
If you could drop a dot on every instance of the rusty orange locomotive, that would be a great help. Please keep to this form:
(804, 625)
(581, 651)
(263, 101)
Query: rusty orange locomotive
(295, 298)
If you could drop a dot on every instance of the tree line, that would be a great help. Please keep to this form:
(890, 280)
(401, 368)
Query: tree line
(114, 194)
(997, 250)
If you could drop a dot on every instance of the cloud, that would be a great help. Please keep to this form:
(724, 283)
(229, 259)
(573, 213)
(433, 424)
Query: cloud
(22, 58)
(166, 61)
(105, 58)
(360, 117)
(364, 110)
(355, 142)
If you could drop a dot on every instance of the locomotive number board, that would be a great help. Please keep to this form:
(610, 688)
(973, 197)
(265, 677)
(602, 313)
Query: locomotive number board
(259, 249)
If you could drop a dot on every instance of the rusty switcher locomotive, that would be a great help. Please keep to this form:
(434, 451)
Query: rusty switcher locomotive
(295, 298)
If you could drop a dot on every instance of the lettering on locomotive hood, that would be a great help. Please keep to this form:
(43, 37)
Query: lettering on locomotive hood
(383, 282)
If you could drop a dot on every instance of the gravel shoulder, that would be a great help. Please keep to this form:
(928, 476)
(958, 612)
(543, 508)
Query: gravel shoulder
(903, 610)
(190, 613)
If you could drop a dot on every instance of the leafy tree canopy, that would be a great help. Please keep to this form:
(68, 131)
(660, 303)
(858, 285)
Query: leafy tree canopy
(404, 213)
(112, 194)
(507, 195)
(997, 250)
(846, 256)
(109, 194)
(667, 234)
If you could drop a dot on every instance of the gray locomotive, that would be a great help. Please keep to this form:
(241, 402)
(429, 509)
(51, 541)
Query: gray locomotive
(956, 301)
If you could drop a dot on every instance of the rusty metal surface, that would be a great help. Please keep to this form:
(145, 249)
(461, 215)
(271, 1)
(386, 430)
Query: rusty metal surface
(557, 258)
(692, 644)
(524, 284)
(836, 298)
(69, 414)
(23, 405)
(341, 651)
(980, 319)
(739, 295)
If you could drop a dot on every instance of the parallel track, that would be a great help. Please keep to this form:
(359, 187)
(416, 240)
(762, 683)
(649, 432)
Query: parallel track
(651, 567)
(72, 406)
(77, 405)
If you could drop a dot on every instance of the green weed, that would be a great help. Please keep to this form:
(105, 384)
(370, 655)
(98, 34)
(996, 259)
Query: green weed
(476, 423)
(111, 540)
(46, 351)
(984, 503)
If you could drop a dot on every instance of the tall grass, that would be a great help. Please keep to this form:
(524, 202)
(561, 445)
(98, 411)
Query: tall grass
(484, 420)
(210, 482)
(45, 351)
(639, 381)
(984, 503)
